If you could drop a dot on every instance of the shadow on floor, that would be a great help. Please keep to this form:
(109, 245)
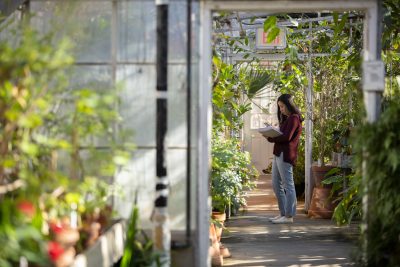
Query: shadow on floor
(254, 241)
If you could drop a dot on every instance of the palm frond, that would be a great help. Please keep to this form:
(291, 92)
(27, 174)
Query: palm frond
(258, 79)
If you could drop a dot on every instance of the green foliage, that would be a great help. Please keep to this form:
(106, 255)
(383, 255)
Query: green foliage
(336, 78)
(22, 236)
(230, 174)
(346, 193)
(379, 143)
(49, 135)
(231, 84)
(138, 250)
(256, 80)
(335, 105)
(271, 28)
(31, 74)
(391, 25)
(90, 196)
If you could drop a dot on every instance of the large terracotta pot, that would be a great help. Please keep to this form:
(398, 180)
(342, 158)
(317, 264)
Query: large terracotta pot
(215, 250)
(321, 205)
(319, 173)
(220, 217)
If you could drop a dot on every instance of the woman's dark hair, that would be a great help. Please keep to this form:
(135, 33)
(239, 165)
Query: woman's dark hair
(287, 100)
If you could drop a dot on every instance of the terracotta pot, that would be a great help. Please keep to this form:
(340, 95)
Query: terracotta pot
(66, 259)
(94, 233)
(218, 232)
(214, 250)
(67, 236)
(219, 216)
(319, 173)
(212, 234)
(321, 205)
(215, 254)
(224, 251)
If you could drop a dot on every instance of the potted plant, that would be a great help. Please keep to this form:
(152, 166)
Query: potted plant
(230, 174)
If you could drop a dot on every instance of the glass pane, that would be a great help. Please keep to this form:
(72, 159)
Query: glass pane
(177, 31)
(138, 182)
(137, 31)
(9, 28)
(176, 162)
(137, 106)
(95, 77)
(44, 12)
(88, 26)
(177, 119)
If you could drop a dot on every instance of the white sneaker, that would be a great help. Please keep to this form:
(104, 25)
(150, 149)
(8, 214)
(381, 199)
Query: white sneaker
(283, 219)
(275, 218)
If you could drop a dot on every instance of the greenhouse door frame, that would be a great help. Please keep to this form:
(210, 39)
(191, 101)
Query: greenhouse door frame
(373, 83)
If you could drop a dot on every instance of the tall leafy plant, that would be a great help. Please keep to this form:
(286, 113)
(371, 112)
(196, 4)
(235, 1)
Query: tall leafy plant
(336, 85)
(234, 86)
(231, 174)
(231, 170)
(346, 193)
(334, 103)
(138, 246)
(378, 143)
(31, 74)
(335, 77)
(350, 197)
(48, 137)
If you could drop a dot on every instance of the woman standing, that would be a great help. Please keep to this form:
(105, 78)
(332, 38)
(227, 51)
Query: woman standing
(285, 155)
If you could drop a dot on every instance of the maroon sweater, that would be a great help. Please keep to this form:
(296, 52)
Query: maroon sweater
(289, 140)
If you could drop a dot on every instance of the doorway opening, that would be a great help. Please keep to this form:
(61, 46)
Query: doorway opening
(321, 11)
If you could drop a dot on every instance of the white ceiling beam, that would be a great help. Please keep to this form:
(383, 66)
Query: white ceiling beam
(288, 6)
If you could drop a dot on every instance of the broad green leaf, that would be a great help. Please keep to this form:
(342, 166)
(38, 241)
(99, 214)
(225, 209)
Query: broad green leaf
(269, 23)
(272, 34)
(335, 17)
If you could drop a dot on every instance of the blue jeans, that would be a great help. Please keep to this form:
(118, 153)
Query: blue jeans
(283, 185)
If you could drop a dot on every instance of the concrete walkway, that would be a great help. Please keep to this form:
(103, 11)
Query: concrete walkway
(254, 241)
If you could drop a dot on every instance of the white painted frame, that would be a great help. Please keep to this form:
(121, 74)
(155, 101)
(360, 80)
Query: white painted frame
(372, 97)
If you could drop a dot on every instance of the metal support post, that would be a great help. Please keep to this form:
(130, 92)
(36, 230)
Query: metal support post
(161, 231)
(373, 86)
(309, 182)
